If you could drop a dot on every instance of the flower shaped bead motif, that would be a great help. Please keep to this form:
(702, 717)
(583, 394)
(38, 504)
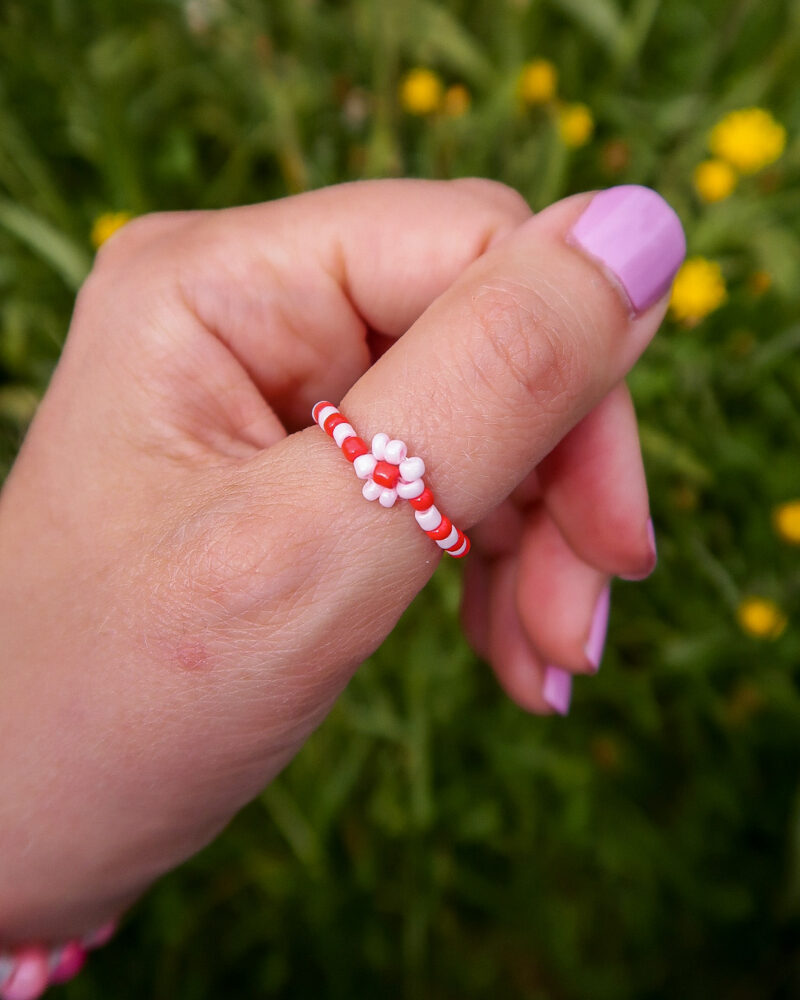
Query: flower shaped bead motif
(389, 472)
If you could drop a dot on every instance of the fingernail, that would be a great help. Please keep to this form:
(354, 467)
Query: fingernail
(557, 689)
(66, 962)
(596, 642)
(101, 936)
(651, 538)
(637, 236)
(29, 978)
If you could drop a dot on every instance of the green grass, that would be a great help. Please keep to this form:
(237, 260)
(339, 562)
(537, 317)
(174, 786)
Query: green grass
(432, 840)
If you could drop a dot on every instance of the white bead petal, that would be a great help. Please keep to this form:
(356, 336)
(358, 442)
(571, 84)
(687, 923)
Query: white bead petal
(428, 519)
(387, 498)
(408, 491)
(371, 490)
(364, 466)
(342, 432)
(379, 443)
(412, 468)
(452, 538)
(324, 413)
(460, 550)
(396, 451)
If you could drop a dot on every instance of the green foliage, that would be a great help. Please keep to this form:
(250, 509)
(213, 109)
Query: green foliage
(432, 840)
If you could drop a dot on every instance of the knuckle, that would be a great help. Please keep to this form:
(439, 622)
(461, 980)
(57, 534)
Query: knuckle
(501, 196)
(523, 348)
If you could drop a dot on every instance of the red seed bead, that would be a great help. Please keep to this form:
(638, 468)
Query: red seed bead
(464, 553)
(333, 421)
(444, 529)
(423, 501)
(318, 408)
(385, 474)
(353, 447)
(458, 542)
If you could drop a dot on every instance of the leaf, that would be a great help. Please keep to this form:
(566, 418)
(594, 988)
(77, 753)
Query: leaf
(66, 258)
(600, 18)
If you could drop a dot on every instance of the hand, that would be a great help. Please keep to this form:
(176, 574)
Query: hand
(188, 577)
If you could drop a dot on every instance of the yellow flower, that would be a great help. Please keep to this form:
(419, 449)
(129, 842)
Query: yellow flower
(537, 82)
(575, 125)
(761, 618)
(421, 91)
(714, 180)
(748, 139)
(456, 101)
(786, 519)
(106, 225)
(699, 289)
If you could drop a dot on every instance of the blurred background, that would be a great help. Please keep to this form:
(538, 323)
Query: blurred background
(433, 841)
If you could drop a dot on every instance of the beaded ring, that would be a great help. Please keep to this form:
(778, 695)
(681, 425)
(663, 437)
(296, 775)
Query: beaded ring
(27, 972)
(389, 474)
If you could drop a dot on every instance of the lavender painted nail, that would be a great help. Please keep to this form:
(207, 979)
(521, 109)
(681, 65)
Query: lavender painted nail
(557, 689)
(638, 237)
(651, 538)
(596, 642)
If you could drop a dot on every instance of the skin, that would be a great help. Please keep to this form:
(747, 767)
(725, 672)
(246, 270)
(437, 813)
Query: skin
(188, 575)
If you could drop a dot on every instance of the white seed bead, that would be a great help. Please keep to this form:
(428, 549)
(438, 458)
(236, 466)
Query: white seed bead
(364, 466)
(7, 966)
(428, 519)
(412, 468)
(379, 443)
(408, 491)
(342, 432)
(371, 490)
(452, 538)
(396, 451)
(387, 498)
(324, 413)
(460, 550)
(54, 958)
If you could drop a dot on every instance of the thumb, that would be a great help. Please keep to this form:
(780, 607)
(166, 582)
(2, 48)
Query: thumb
(495, 372)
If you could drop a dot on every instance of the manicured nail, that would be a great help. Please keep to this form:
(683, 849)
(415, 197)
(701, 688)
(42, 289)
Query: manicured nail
(66, 962)
(7, 966)
(557, 689)
(637, 236)
(596, 642)
(29, 978)
(651, 538)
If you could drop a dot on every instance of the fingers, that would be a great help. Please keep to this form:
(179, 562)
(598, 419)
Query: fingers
(594, 486)
(489, 379)
(522, 346)
(559, 598)
(296, 288)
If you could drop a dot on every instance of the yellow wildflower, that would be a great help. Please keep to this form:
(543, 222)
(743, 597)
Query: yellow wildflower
(421, 91)
(748, 139)
(456, 101)
(106, 225)
(575, 125)
(786, 519)
(699, 289)
(761, 618)
(714, 180)
(537, 82)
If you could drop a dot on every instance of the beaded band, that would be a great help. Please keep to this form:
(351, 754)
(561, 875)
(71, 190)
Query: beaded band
(389, 474)
(27, 972)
